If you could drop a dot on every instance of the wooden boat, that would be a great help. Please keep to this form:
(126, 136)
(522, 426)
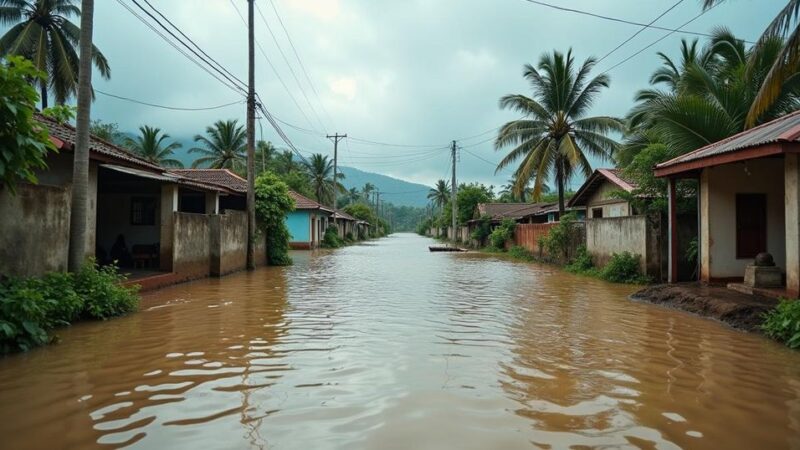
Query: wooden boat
(443, 248)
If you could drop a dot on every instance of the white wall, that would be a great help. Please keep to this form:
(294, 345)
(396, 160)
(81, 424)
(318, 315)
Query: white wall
(718, 204)
(612, 205)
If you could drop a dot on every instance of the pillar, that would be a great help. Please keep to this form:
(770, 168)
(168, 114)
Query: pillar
(212, 202)
(704, 228)
(169, 206)
(672, 227)
(792, 218)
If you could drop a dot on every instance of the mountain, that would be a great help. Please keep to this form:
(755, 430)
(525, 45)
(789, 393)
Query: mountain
(397, 192)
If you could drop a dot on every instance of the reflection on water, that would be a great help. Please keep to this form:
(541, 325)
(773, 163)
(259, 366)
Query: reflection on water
(385, 345)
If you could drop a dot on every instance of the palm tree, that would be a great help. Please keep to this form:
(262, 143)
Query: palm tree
(708, 98)
(367, 190)
(440, 194)
(320, 170)
(353, 196)
(42, 32)
(284, 162)
(265, 152)
(223, 146)
(784, 66)
(150, 145)
(555, 137)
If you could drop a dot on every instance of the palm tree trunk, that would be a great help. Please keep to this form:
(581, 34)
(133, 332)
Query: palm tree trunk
(43, 87)
(560, 182)
(80, 170)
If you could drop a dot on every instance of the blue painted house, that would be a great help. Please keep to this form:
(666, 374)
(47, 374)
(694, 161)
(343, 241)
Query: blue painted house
(307, 223)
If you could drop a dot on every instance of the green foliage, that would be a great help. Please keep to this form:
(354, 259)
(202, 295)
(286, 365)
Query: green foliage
(482, 230)
(467, 198)
(223, 146)
(783, 323)
(60, 113)
(560, 239)
(349, 238)
(623, 268)
(31, 307)
(107, 131)
(519, 252)
(502, 234)
(102, 292)
(582, 262)
(331, 238)
(24, 143)
(297, 181)
(273, 203)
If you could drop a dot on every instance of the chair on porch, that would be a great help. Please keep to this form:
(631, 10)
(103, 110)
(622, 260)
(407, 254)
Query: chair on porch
(145, 256)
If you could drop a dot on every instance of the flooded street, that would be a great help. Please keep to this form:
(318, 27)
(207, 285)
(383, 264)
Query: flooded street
(385, 345)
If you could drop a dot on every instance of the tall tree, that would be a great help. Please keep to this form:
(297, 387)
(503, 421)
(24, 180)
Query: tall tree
(786, 25)
(223, 146)
(353, 195)
(80, 168)
(367, 190)
(265, 152)
(151, 145)
(320, 171)
(556, 138)
(440, 194)
(42, 32)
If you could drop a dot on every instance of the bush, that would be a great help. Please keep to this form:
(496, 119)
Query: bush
(273, 203)
(102, 292)
(582, 262)
(783, 323)
(482, 230)
(560, 238)
(349, 237)
(520, 252)
(331, 238)
(623, 268)
(502, 234)
(31, 307)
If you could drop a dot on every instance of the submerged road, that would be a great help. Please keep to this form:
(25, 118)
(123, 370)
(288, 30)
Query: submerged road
(385, 345)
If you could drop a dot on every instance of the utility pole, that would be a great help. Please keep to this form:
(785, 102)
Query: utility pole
(336, 138)
(454, 192)
(251, 140)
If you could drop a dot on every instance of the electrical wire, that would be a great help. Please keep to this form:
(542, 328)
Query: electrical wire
(640, 30)
(171, 108)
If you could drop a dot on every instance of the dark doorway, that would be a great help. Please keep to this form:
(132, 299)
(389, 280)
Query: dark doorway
(751, 225)
(597, 213)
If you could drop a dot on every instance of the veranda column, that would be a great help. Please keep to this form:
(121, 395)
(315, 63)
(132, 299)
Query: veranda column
(792, 199)
(672, 273)
(169, 206)
(212, 202)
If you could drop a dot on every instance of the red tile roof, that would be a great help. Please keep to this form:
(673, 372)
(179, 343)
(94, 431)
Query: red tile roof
(218, 177)
(301, 202)
(515, 211)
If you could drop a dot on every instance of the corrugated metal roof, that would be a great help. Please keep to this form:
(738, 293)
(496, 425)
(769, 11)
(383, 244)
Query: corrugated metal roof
(782, 129)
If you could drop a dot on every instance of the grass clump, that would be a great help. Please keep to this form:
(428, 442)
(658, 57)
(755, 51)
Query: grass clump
(521, 253)
(783, 323)
(331, 238)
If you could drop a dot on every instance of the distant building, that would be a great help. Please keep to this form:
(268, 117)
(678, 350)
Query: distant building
(308, 222)
(596, 195)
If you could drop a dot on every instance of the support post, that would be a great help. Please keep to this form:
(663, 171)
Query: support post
(454, 192)
(672, 227)
(336, 138)
(169, 206)
(251, 140)
(212, 202)
(792, 223)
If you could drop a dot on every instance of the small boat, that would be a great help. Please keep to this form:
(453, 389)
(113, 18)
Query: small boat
(443, 248)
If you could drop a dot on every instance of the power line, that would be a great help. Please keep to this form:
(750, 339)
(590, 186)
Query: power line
(658, 40)
(640, 30)
(171, 108)
(616, 19)
(300, 61)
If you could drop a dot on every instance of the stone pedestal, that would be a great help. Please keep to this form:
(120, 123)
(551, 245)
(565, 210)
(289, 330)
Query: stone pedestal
(763, 276)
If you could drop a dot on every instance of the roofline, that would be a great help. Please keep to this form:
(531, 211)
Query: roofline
(760, 151)
(609, 175)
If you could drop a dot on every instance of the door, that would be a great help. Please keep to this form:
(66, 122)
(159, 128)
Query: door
(751, 225)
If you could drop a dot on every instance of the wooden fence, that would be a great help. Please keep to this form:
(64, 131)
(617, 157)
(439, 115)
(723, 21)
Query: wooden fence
(528, 234)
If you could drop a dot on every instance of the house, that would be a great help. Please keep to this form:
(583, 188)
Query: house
(308, 222)
(172, 224)
(749, 202)
(345, 224)
(596, 195)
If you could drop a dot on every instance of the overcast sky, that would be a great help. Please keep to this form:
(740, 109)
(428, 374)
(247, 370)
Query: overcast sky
(414, 72)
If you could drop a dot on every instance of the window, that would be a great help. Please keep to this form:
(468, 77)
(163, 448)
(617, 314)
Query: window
(597, 213)
(751, 225)
(143, 211)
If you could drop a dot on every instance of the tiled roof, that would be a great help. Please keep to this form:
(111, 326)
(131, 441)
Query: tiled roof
(600, 176)
(783, 129)
(301, 202)
(219, 177)
(339, 214)
(499, 211)
(65, 137)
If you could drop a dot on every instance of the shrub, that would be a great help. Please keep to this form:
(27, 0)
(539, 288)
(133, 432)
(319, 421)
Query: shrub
(783, 323)
(331, 238)
(623, 268)
(582, 262)
(63, 305)
(560, 238)
(23, 311)
(102, 291)
(502, 234)
(349, 237)
(520, 252)
(273, 203)
(482, 230)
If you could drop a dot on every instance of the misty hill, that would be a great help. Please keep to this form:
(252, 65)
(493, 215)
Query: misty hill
(399, 192)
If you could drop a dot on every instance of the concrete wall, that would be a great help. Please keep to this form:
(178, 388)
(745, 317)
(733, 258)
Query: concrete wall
(228, 241)
(192, 245)
(34, 230)
(633, 234)
(719, 186)
(603, 198)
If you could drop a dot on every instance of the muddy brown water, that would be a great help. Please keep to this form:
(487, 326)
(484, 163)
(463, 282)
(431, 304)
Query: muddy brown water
(386, 345)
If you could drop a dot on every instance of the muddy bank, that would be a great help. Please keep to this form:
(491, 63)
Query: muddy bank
(740, 311)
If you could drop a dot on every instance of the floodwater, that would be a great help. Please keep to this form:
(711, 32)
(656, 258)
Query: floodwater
(385, 345)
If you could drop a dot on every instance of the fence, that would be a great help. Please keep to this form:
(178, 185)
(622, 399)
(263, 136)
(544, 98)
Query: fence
(527, 235)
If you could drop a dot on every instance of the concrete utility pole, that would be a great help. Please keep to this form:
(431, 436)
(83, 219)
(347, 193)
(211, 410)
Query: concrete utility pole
(251, 140)
(336, 138)
(454, 192)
